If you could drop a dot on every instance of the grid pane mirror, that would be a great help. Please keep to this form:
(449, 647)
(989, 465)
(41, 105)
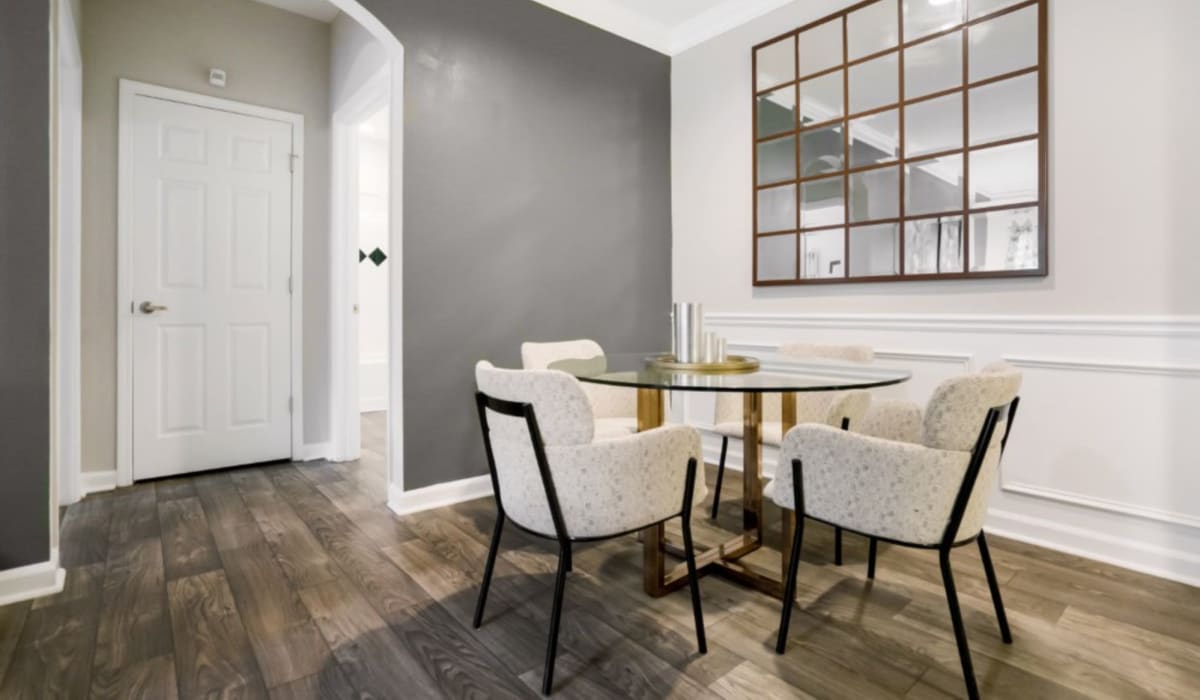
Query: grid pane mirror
(902, 140)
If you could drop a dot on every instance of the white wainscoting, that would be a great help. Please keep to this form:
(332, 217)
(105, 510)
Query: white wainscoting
(1102, 462)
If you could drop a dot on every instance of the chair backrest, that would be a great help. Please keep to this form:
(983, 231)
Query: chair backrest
(558, 411)
(811, 407)
(954, 418)
(606, 401)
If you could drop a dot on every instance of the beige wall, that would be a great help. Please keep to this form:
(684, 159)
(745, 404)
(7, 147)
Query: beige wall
(274, 59)
(1124, 235)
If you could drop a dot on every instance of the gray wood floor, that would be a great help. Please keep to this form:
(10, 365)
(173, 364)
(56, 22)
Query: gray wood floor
(295, 581)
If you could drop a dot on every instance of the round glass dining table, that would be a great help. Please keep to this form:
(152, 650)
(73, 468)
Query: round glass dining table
(776, 374)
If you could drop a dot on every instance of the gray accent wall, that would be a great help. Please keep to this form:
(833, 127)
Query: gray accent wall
(536, 203)
(24, 284)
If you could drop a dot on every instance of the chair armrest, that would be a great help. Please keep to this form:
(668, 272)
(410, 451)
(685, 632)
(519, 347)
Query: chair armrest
(618, 485)
(891, 419)
(879, 487)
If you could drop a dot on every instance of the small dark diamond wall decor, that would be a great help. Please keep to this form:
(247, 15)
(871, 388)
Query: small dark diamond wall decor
(377, 256)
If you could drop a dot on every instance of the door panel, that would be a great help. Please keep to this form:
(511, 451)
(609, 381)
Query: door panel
(211, 241)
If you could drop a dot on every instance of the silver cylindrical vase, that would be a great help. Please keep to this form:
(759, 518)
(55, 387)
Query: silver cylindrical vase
(686, 333)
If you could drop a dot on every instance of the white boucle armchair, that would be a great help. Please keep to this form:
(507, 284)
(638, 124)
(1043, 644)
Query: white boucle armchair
(553, 479)
(931, 494)
(614, 408)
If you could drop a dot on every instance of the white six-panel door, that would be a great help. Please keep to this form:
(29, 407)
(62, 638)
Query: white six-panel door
(210, 235)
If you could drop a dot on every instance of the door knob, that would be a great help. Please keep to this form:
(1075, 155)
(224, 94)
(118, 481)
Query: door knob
(149, 308)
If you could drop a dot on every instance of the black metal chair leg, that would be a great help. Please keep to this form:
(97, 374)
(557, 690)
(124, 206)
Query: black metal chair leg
(993, 584)
(689, 554)
(720, 477)
(871, 558)
(960, 631)
(789, 586)
(487, 570)
(837, 546)
(560, 582)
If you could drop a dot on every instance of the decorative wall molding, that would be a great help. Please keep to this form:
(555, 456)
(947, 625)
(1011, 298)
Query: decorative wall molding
(95, 482)
(439, 495)
(1180, 326)
(1164, 370)
(1076, 499)
(32, 581)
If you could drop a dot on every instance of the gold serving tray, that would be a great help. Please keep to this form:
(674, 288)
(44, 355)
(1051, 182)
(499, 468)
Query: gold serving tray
(733, 364)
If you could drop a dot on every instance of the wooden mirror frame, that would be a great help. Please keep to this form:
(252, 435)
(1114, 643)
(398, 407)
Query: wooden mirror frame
(966, 211)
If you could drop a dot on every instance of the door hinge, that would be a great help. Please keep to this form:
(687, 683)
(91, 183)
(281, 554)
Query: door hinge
(289, 284)
(289, 404)
(292, 162)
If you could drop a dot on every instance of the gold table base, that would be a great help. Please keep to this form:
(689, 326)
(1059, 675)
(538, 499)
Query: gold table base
(724, 559)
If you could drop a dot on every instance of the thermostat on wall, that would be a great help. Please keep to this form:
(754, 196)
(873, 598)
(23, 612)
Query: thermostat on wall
(216, 77)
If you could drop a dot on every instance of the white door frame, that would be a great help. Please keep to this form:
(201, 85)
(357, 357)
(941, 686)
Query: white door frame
(130, 90)
(345, 416)
(68, 191)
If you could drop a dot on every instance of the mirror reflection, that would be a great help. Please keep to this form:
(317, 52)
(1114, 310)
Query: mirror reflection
(821, 151)
(923, 17)
(775, 64)
(875, 194)
(874, 250)
(933, 125)
(777, 160)
(979, 8)
(822, 254)
(1003, 44)
(1004, 174)
(874, 83)
(934, 185)
(1004, 109)
(777, 257)
(875, 138)
(933, 66)
(933, 245)
(820, 47)
(776, 111)
(1005, 240)
(821, 98)
(872, 29)
(777, 209)
(822, 202)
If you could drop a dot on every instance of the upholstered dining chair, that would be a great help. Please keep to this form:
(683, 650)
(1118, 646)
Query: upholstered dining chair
(614, 408)
(931, 495)
(552, 480)
(844, 409)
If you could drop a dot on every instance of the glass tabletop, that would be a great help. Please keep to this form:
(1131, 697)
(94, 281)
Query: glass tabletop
(776, 373)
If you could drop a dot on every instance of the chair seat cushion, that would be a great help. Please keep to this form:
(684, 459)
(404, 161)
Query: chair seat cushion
(772, 433)
(612, 428)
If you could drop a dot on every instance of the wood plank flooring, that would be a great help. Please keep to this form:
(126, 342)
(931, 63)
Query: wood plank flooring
(295, 581)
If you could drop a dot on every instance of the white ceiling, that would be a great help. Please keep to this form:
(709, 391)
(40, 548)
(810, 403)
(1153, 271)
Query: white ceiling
(320, 10)
(667, 26)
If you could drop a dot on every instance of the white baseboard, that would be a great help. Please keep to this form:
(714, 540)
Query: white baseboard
(32, 581)
(95, 482)
(371, 404)
(403, 502)
(316, 450)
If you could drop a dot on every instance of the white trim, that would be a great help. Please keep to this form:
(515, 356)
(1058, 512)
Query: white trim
(95, 482)
(1104, 504)
(1162, 370)
(129, 89)
(1177, 326)
(372, 405)
(32, 581)
(617, 18)
(345, 405)
(1136, 555)
(439, 495)
(316, 450)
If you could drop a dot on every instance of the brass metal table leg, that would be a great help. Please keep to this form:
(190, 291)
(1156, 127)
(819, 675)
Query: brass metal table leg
(752, 502)
(651, 415)
(788, 526)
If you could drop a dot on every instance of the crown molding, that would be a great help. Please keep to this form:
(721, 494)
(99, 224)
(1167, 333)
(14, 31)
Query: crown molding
(614, 17)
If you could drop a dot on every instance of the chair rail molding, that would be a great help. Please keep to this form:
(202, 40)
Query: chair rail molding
(1099, 461)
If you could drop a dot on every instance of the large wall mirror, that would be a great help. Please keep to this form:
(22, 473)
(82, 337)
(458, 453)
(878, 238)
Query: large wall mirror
(902, 140)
